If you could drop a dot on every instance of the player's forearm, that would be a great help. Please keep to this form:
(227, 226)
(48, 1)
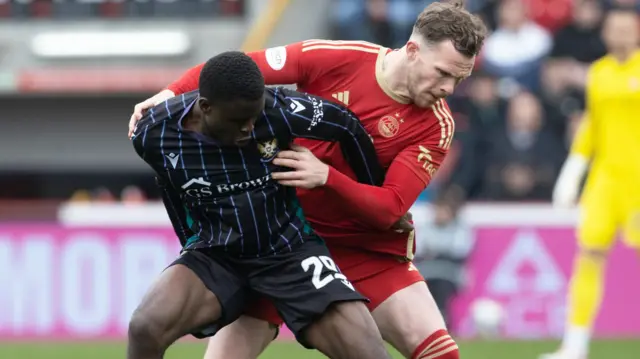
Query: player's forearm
(379, 207)
(567, 188)
(574, 169)
(162, 96)
(363, 159)
(188, 81)
(583, 144)
(357, 146)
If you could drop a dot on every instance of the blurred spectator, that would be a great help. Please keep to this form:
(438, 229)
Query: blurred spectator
(442, 250)
(387, 22)
(550, 14)
(102, 194)
(484, 107)
(350, 20)
(81, 195)
(523, 159)
(132, 195)
(560, 98)
(481, 111)
(580, 40)
(401, 17)
(517, 46)
(487, 10)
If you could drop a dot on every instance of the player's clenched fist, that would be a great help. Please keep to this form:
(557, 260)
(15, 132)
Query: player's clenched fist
(308, 171)
(140, 108)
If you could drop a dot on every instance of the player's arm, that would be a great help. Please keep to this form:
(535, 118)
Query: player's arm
(284, 65)
(298, 63)
(313, 117)
(409, 174)
(567, 187)
(147, 144)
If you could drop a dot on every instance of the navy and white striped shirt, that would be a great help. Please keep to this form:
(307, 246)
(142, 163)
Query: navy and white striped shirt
(225, 196)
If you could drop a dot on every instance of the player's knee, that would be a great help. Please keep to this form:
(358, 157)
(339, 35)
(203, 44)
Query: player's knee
(595, 254)
(341, 318)
(145, 329)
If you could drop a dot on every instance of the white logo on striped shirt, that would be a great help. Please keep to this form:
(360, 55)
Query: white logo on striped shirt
(173, 158)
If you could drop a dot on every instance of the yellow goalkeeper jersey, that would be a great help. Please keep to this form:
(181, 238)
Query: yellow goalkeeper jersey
(610, 133)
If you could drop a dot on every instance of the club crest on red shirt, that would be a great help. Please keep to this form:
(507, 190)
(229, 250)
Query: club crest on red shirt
(388, 126)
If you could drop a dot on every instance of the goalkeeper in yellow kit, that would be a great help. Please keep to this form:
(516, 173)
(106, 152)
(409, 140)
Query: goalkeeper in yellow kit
(609, 139)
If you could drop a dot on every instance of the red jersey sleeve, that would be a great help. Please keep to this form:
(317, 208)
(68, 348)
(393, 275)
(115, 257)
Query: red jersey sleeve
(409, 174)
(298, 63)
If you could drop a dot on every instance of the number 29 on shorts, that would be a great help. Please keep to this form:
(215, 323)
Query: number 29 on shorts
(318, 263)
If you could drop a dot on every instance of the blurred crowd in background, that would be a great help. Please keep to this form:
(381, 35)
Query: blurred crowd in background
(517, 114)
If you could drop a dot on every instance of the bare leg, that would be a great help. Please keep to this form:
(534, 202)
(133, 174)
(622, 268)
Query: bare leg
(408, 317)
(246, 338)
(347, 331)
(177, 303)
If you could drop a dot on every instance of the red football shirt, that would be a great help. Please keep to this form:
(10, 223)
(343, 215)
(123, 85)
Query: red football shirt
(411, 142)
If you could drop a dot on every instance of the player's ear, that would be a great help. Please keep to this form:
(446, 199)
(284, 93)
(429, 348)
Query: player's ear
(413, 49)
(204, 104)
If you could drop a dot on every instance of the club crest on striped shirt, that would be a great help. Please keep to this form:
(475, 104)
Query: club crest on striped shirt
(268, 149)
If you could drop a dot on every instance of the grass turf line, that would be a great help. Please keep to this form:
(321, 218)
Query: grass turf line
(603, 349)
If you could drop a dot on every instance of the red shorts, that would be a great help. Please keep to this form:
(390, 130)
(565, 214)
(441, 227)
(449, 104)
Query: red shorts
(388, 275)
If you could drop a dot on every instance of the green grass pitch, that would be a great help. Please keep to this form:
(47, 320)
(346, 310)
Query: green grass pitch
(612, 349)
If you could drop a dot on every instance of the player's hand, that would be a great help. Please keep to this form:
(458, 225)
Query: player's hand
(403, 225)
(308, 171)
(565, 195)
(567, 188)
(140, 108)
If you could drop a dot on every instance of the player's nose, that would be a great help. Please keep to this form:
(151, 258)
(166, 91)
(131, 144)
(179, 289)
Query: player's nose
(446, 88)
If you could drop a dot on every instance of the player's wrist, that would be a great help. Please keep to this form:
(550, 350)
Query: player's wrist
(565, 192)
(325, 174)
(163, 96)
(329, 175)
(573, 170)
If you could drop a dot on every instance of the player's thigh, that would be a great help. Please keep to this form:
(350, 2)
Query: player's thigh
(303, 285)
(177, 302)
(345, 330)
(598, 218)
(409, 314)
(381, 276)
(198, 294)
(246, 338)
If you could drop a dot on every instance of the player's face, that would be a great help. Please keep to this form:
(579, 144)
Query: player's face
(231, 123)
(435, 71)
(621, 32)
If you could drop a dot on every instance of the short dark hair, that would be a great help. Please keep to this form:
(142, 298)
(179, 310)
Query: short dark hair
(449, 20)
(230, 76)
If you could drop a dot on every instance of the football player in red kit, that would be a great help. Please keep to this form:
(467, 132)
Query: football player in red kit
(399, 97)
